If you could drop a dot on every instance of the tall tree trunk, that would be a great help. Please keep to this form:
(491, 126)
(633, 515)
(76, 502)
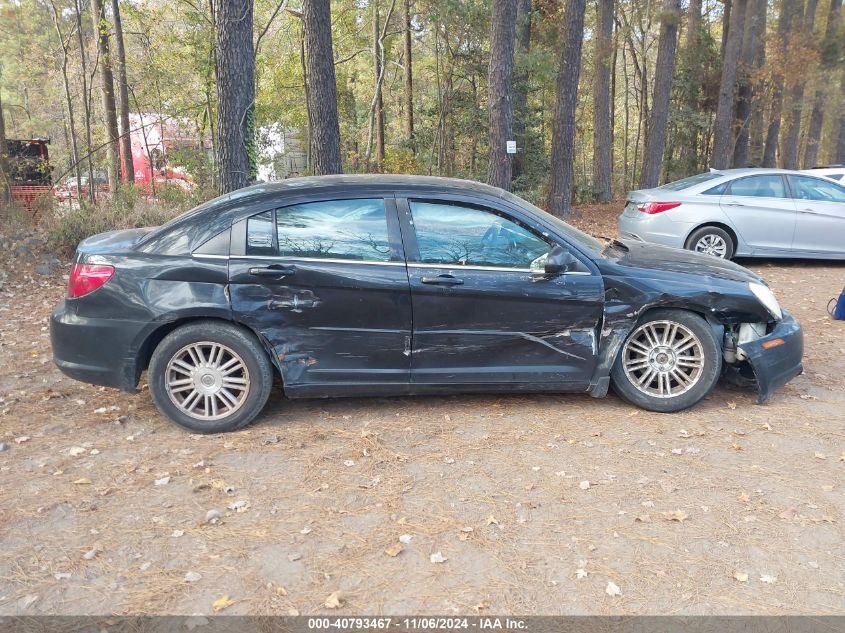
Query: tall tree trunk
(756, 124)
(101, 28)
(377, 79)
(520, 86)
(688, 157)
(723, 141)
(787, 9)
(744, 91)
(566, 100)
(123, 95)
(322, 90)
(602, 55)
(792, 122)
(5, 182)
(85, 102)
(831, 49)
(500, 81)
(840, 142)
(235, 95)
(664, 71)
(408, 76)
(74, 150)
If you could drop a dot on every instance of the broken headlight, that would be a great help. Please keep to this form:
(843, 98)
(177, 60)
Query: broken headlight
(767, 298)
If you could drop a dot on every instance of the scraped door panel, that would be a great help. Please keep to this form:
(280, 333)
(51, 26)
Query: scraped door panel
(484, 312)
(327, 294)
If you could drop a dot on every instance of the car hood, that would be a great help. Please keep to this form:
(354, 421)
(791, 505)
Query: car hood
(664, 259)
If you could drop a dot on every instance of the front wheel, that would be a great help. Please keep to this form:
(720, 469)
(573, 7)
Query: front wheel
(668, 362)
(210, 377)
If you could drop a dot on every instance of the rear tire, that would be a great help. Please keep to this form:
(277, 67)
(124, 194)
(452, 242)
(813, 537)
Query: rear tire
(668, 362)
(712, 240)
(210, 377)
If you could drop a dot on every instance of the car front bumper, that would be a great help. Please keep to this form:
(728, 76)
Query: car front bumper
(776, 358)
(96, 351)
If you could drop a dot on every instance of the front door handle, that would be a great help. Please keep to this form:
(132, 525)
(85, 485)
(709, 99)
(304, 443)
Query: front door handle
(443, 280)
(734, 204)
(276, 271)
(810, 212)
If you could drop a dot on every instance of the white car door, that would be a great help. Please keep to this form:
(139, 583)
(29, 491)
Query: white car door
(762, 211)
(821, 215)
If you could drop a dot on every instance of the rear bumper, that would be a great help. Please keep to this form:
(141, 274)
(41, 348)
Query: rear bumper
(775, 363)
(96, 351)
(652, 228)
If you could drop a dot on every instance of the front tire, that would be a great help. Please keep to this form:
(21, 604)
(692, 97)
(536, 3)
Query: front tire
(712, 240)
(210, 377)
(668, 362)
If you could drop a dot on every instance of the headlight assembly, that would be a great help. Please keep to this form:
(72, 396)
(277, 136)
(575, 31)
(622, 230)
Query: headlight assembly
(767, 298)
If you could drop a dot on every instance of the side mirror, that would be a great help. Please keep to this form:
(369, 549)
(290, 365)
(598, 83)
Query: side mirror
(560, 261)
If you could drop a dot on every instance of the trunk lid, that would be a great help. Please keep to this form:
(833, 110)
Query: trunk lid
(112, 241)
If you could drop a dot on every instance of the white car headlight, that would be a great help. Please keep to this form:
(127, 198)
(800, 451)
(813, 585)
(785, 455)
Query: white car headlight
(767, 298)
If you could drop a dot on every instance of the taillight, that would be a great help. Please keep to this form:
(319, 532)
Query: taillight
(85, 278)
(656, 207)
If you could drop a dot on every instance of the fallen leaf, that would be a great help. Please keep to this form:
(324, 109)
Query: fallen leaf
(405, 539)
(76, 451)
(481, 606)
(766, 578)
(438, 557)
(820, 456)
(581, 573)
(163, 481)
(678, 515)
(491, 520)
(82, 482)
(612, 589)
(788, 514)
(223, 602)
(743, 496)
(643, 518)
(334, 601)
(394, 550)
(584, 485)
(740, 576)
(192, 576)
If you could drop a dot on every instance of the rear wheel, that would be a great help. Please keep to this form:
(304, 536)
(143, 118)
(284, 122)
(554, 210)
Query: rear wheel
(669, 362)
(712, 240)
(210, 377)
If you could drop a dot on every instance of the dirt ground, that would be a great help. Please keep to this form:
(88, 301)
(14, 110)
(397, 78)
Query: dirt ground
(727, 508)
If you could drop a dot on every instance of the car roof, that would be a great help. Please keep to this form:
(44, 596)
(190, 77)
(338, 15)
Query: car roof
(756, 170)
(370, 181)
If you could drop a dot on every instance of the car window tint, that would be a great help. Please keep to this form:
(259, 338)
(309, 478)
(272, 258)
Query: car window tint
(259, 234)
(718, 190)
(469, 236)
(764, 186)
(807, 188)
(334, 229)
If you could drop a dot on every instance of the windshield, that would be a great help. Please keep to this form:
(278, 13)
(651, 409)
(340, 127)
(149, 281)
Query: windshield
(588, 242)
(686, 183)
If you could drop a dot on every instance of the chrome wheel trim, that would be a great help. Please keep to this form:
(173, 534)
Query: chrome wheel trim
(663, 359)
(207, 380)
(712, 244)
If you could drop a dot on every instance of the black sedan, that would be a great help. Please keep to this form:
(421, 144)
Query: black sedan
(398, 285)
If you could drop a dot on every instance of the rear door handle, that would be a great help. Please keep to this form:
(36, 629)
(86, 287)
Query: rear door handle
(810, 212)
(443, 280)
(276, 271)
(734, 204)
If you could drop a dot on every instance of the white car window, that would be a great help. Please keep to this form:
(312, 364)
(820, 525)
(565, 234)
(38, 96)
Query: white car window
(763, 186)
(808, 188)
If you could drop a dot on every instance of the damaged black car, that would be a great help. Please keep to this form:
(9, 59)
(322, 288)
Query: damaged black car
(401, 285)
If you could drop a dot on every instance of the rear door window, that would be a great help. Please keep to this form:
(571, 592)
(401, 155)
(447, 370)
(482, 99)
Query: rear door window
(763, 186)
